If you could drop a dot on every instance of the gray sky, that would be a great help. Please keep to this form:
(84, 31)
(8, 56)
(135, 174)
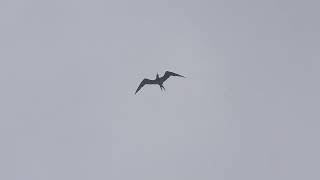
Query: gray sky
(247, 110)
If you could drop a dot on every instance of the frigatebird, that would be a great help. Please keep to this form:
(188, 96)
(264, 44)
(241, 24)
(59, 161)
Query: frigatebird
(159, 80)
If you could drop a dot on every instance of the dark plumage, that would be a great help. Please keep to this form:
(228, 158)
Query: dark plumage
(158, 80)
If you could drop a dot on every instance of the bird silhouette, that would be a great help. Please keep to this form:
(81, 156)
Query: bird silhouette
(159, 80)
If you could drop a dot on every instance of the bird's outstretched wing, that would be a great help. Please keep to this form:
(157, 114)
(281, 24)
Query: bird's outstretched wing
(167, 74)
(144, 82)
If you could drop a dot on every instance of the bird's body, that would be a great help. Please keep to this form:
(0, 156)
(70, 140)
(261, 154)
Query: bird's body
(158, 80)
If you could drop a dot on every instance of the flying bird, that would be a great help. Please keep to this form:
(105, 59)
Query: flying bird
(159, 80)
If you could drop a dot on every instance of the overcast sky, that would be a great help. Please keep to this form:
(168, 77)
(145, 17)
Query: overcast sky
(248, 109)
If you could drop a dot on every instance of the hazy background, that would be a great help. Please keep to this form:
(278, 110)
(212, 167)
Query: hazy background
(248, 109)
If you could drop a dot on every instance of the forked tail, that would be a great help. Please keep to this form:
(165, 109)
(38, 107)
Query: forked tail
(162, 87)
